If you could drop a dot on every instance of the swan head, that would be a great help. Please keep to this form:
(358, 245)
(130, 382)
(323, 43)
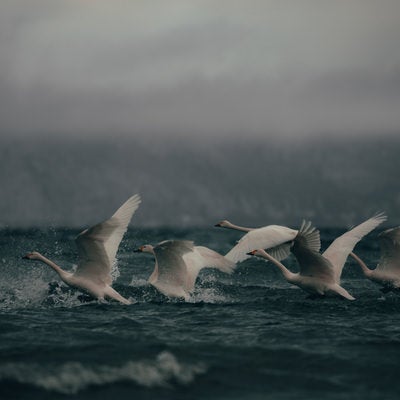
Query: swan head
(223, 224)
(147, 248)
(34, 255)
(258, 253)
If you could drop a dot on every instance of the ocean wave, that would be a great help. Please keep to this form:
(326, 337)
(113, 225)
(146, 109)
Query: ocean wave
(73, 377)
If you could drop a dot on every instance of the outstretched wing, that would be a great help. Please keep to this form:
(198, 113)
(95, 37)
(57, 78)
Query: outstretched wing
(261, 238)
(280, 252)
(389, 241)
(212, 259)
(172, 269)
(203, 257)
(341, 247)
(306, 249)
(98, 245)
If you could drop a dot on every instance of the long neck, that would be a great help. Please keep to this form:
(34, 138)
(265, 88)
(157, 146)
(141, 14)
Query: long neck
(364, 268)
(63, 274)
(289, 276)
(229, 225)
(154, 276)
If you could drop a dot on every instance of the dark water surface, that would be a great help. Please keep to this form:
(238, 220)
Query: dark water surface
(245, 336)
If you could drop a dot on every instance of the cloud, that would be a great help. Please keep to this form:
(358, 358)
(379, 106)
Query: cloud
(254, 67)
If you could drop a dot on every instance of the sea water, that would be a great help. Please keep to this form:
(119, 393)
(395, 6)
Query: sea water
(249, 335)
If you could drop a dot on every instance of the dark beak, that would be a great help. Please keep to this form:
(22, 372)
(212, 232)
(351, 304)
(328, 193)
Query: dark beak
(137, 250)
(217, 225)
(25, 258)
(250, 253)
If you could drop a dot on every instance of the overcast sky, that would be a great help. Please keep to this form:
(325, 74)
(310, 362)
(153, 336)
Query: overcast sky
(200, 67)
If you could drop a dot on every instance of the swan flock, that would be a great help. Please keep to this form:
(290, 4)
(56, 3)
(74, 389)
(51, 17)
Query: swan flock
(178, 262)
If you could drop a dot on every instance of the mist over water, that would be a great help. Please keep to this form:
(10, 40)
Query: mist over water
(77, 182)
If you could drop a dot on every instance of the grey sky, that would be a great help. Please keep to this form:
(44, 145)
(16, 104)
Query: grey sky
(200, 67)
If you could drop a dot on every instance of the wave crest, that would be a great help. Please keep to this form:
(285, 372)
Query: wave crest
(72, 377)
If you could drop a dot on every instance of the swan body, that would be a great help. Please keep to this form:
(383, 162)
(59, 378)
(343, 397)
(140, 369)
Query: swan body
(387, 272)
(275, 238)
(320, 273)
(178, 263)
(316, 275)
(97, 248)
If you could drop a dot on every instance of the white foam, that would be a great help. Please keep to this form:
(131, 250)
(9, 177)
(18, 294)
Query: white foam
(139, 282)
(209, 295)
(72, 377)
(27, 290)
(115, 271)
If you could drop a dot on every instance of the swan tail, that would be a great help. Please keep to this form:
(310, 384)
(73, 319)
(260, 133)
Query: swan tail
(213, 259)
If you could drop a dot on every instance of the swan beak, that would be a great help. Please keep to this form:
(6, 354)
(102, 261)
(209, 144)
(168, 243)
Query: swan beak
(217, 225)
(139, 250)
(25, 258)
(251, 253)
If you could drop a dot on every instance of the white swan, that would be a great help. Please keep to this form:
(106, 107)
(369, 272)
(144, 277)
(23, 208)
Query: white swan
(178, 262)
(97, 247)
(387, 272)
(275, 238)
(320, 273)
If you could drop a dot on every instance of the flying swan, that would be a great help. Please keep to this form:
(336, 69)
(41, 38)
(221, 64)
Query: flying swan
(387, 272)
(177, 264)
(97, 247)
(275, 238)
(320, 273)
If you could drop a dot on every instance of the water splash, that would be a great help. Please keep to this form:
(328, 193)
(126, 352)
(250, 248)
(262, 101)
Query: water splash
(211, 295)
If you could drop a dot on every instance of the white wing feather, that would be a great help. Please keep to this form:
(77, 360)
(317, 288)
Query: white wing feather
(306, 250)
(172, 269)
(203, 257)
(260, 238)
(340, 248)
(179, 263)
(98, 245)
(389, 241)
(280, 252)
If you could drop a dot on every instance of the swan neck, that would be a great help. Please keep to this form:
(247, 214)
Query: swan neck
(54, 266)
(238, 228)
(289, 276)
(154, 276)
(363, 266)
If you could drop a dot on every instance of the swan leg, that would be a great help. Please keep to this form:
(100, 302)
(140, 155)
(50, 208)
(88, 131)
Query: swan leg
(113, 294)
